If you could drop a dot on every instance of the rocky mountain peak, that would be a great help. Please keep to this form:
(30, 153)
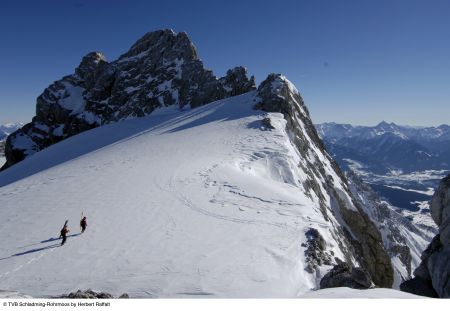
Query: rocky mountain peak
(383, 125)
(277, 94)
(161, 69)
(237, 82)
(89, 63)
(276, 91)
(89, 67)
(163, 43)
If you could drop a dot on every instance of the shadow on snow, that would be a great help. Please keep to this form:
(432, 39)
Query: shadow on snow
(39, 249)
(162, 121)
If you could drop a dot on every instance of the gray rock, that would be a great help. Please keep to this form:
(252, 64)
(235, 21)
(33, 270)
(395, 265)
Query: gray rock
(267, 124)
(422, 270)
(419, 286)
(104, 295)
(90, 67)
(361, 277)
(432, 277)
(439, 268)
(2, 148)
(440, 209)
(343, 275)
(88, 294)
(315, 253)
(236, 81)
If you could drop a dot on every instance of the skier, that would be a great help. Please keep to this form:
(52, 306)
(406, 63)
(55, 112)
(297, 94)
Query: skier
(83, 224)
(64, 232)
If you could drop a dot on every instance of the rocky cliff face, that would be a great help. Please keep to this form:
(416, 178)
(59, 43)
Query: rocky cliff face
(403, 240)
(432, 277)
(358, 234)
(160, 69)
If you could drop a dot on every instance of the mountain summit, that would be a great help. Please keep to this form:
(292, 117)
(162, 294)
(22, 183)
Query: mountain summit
(161, 69)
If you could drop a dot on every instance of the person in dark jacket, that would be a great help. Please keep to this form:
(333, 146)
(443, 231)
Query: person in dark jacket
(64, 232)
(83, 224)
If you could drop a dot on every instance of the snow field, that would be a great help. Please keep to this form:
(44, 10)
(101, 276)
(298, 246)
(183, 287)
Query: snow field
(194, 203)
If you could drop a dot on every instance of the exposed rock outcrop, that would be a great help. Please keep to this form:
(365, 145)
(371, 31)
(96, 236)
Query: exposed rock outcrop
(344, 275)
(440, 210)
(267, 124)
(316, 254)
(432, 277)
(401, 237)
(160, 69)
(359, 235)
(90, 294)
(237, 82)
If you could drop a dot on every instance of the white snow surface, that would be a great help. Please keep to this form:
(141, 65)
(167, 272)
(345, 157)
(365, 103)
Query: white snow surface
(24, 142)
(345, 292)
(200, 202)
(72, 99)
(12, 295)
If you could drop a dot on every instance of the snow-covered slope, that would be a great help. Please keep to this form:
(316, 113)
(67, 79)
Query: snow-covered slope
(205, 201)
(345, 292)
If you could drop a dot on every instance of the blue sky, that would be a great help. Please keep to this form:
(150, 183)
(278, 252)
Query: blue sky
(354, 61)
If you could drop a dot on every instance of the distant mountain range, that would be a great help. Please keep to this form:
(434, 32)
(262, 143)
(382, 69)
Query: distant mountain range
(8, 128)
(5, 130)
(403, 164)
(388, 147)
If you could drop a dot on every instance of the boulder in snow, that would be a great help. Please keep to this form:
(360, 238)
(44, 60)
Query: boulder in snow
(343, 275)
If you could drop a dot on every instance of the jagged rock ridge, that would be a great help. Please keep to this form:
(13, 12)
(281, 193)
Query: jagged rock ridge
(160, 69)
(360, 237)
